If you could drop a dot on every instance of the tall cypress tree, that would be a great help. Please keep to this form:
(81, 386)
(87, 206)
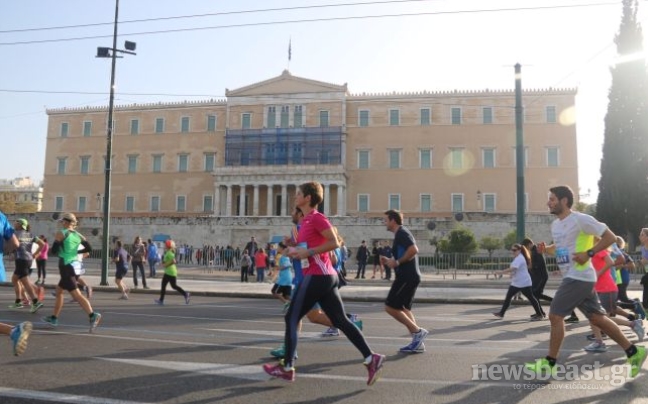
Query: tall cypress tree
(623, 187)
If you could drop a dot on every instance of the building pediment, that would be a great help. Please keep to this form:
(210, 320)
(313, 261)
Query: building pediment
(286, 83)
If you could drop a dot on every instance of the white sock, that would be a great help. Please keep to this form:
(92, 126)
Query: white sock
(368, 359)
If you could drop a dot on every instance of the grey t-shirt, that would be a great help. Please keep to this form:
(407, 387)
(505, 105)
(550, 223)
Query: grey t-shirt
(25, 240)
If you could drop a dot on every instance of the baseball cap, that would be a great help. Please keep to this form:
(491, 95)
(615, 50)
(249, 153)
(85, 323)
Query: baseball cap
(69, 217)
(23, 222)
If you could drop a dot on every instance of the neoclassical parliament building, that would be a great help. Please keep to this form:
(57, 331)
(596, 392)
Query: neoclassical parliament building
(426, 153)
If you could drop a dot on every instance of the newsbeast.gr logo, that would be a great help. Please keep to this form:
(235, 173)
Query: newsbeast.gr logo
(616, 375)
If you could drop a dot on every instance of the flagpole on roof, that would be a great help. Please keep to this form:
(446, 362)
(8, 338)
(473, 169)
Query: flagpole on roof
(289, 51)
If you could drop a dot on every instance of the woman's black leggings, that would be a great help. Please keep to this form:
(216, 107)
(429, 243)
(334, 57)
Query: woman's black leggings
(168, 279)
(322, 289)
(527, 293)
(40, 264)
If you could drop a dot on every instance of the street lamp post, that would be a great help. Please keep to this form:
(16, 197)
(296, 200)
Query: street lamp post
(111, 53)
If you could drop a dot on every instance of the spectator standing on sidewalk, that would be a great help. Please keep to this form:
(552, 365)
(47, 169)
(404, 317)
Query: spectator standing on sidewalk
(139, 257)
(362, 255)
(41, 261)
(386, 251)
(375, 260)
(408, 276)
(260, 262)
(246, 262)
(152, 257)
(252, 248)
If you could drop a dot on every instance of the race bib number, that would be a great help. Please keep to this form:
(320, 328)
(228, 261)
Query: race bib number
(304, 261)
(562, 256)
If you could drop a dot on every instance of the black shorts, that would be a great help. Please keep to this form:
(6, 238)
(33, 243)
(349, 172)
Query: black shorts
(285, 291)
(22, 268)
(68, 277)
(401, 294)
(120, 273)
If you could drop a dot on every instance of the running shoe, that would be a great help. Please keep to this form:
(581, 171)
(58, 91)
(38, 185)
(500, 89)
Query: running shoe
(281, 352)
(17, 305)
(35, 307)
(572, 319)
(285, 307)
(419, 337)
(19, 336)
(637, 360)
(538, 317)
(51, 320)
(374, 368)
(123, 297)
(498, 314)
(331, 332)
(541, 366)
(95, 319)
(639, 309)
(280, 372)
(410, 349)
(146, 287)
(187, 298)
(159, 302)
(358, 323)
(596, 346)
(638, 328)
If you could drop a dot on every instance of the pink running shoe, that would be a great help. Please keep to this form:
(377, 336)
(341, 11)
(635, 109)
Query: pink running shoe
(375, 368)
(278, 371)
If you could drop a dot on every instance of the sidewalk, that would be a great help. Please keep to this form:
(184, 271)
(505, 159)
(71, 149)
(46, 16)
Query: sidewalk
(434, 288)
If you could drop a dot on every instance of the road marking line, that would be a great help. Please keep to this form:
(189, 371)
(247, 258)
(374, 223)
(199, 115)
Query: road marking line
(255, 373)
(59, 397)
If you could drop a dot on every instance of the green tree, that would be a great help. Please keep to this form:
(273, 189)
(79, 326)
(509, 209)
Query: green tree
(490, 244)
(460, 240)
(510, 239)
(623, 189)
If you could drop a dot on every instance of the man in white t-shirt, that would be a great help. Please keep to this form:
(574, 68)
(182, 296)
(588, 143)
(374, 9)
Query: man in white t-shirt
(573, 236)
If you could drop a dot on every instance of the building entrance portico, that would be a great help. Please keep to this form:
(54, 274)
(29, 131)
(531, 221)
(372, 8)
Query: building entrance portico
(271, 193)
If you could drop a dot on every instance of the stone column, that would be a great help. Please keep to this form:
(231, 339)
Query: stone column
(340, 200)
(242, 200)
(327, 199)
(270, 197)
(228, 200)
(255, 203)
(217, 211)
(284, 196)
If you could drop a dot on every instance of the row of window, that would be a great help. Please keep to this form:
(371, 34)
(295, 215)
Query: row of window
(457, 157)
(363, 203)
(283, 118)
(83, 204)
(457, 160)
(209, 162)
(487, 202)
(135, 127)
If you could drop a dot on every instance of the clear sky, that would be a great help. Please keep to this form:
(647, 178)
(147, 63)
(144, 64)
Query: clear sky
(414, 45)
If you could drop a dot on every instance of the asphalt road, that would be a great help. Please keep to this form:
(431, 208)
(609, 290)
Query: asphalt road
(212, 351)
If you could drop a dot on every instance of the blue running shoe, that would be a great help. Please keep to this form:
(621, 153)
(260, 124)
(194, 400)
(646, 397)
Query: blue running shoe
(51, 320)
(19, 336)
(410, 348)
(419, 337)
(95, 319)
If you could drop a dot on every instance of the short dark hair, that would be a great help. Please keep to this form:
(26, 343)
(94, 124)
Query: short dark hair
(395, 215)
(314, 190)
(563, 191)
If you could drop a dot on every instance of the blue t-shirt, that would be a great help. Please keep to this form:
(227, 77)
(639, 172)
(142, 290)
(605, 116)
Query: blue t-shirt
(7, 231)
(285, 273)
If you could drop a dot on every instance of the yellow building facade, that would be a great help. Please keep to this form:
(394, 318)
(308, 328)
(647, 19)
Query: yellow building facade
(426, 153)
